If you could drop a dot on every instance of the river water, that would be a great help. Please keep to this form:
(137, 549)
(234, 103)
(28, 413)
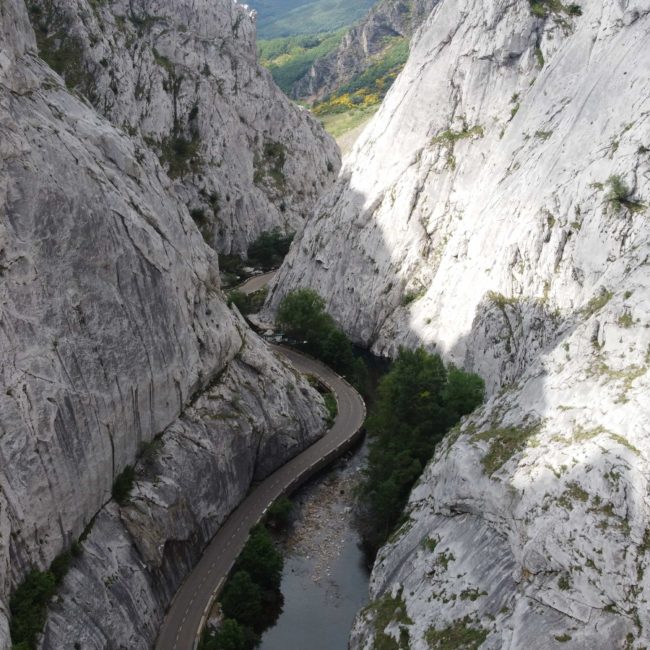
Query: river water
(325, 581)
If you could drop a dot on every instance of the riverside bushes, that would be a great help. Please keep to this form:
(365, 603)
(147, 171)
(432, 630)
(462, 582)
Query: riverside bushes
(418, 401)
(251, 600)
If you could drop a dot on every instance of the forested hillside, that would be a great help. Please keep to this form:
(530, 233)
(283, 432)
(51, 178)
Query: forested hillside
(280, 18)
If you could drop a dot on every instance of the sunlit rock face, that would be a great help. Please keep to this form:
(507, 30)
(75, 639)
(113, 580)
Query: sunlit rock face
(495, 210)
(116, 348)
(184, 76)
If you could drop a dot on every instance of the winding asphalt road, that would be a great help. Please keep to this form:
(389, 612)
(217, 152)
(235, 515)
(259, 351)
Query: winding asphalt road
(256, 283)
(193, 601)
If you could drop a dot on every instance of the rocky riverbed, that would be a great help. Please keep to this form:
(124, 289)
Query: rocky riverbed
(325, 581)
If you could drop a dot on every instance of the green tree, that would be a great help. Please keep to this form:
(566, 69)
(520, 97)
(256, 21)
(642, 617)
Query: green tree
(279, 514)
(336, 350)
(271, 247)
(302, 316)
(123, 485)
(418, 400)
(242, 599)
(230, 636)
(261, 559)
(463, 393)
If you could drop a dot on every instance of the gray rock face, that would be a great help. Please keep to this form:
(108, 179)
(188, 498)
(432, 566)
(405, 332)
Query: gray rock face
(113, 330)
(495, 210)
(258, 414)
(361, 46)
(184, 76)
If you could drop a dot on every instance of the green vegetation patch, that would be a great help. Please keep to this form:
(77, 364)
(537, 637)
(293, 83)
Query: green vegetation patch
(248, 303)
(544, 8)
(251, 599)
(123, 485)
(269, 167)
(505, 443)
(620, 196)
(370, 87)
(418, 401)
(338, 124)
(267, 252)
(449, 138)
(289, 59)
(625, 377)
(281, 18)
(231, 635)
(624, 442)
(460, 635)
(302, 317)
(386, 611)
(332, 408)
(269, 249)
(279, 514)
(179, 154)
(28, 603)
(28, 606)
(597, 303)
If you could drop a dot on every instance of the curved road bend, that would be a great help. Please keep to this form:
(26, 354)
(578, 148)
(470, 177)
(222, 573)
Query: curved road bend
(196, 595)
(256, 283)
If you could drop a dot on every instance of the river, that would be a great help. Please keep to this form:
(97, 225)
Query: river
(325, 581)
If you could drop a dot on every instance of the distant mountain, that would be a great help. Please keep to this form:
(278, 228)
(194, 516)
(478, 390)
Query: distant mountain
(364, 46)
(278, 18)
(345, 75)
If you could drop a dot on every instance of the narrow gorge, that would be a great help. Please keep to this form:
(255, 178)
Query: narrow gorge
(494, 211)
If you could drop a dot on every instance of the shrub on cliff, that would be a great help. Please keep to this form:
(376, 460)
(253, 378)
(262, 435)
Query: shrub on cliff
(269, 249)
(123, 485)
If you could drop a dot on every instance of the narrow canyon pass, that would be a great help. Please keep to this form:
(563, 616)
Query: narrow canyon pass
(495, 211)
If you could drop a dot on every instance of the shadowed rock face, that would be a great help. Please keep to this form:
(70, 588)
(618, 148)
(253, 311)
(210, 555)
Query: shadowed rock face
(184, 76)
(361, 46)
(113, 330)
(495, 210)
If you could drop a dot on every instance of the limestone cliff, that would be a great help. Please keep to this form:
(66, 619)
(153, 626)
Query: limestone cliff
(116, 343)
(184, 76)
(496, 210)
(362, 46)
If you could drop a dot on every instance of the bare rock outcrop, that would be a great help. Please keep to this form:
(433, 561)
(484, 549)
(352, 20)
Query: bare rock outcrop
(184, 76)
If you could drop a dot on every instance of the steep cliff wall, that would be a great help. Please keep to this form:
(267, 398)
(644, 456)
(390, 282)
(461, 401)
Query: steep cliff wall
(113, 330)
(495, 210)
(184, 75)
(362, 46)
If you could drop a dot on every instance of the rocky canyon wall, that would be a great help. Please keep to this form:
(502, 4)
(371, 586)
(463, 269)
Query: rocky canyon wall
(116, 344)
(496, 211)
